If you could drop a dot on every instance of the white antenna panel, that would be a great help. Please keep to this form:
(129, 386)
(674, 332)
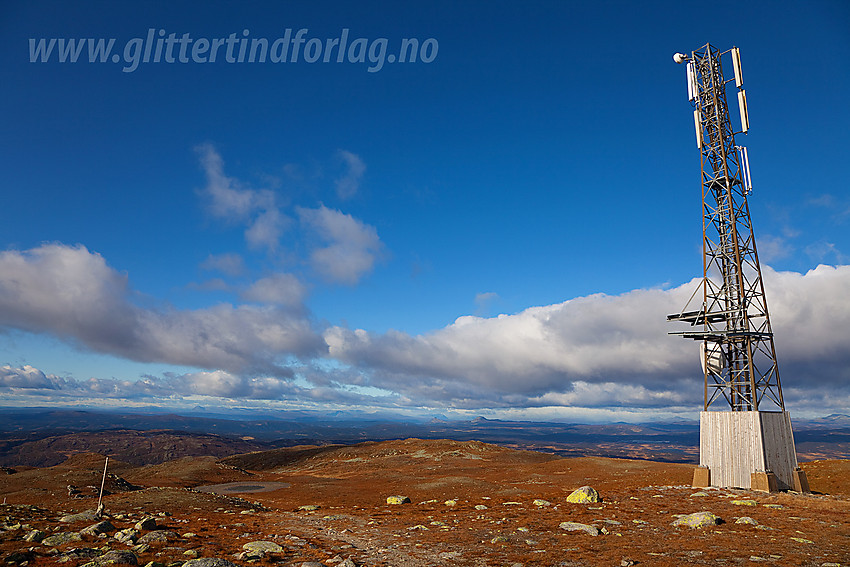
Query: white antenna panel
(692, 81)
(698, 128)
(736, 63)
(745, 169)
(742, 106)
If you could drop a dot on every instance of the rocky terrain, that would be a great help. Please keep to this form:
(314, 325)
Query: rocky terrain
(412, 503)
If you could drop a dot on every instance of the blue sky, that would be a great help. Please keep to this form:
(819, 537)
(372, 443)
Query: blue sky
(500, 230)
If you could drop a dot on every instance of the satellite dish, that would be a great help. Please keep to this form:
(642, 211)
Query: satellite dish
(680, 58)
(713, 355)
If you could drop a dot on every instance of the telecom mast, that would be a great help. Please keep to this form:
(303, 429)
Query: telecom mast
(746, 441)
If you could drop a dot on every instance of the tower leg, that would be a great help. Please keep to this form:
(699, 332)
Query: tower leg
(702, 477)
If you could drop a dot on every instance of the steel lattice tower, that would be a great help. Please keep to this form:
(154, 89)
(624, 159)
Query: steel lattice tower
(733, 325)
(739, 358)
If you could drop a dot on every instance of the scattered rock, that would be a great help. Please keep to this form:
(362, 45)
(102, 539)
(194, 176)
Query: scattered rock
(541, 503)
(774, 506)
(209, 562)
(146, 524)
(584, 495)
(158, 536)
(500, 539)
(577, 527)
(61, 538)
(697, 520)
(18, 557)
(35, 536)
(746, 520)
(98, 528)
(309, 507)
(87, 516)
(450, 502)
(262, 547)
(127, 535)
(802, 540)
(398, 500)
(480, 507)
(349, 562)
(191, 553)
(114, 558)
(745, 503)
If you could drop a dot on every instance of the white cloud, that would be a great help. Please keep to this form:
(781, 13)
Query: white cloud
(230, 264)
(266, 230)
(348, 183)
(352, 247)
(598, 351)
(73, 294)
(223, 384)
(616, 346)
(28, 377)
(483, 301)
(227, 199)
(773, 248)
(278, 289)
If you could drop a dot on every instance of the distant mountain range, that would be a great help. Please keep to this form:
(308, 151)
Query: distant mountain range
(42, 437)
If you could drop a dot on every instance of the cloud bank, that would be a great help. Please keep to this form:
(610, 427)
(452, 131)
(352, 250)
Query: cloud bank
(71, 293)
(597, 351)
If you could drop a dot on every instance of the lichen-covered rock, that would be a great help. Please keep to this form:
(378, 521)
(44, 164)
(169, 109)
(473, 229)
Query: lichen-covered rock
(262, 547)
(127, 535)
(584, 495)
(541, 503)
(745, 503)
(398, 500)
(61, 538)
(98, 528)
(87, 516)
(146, 524)
(309, 507)
(746, 520)
(209, 562)
(35, 536)
(697, 520)
(158, 536)
(114, 558)
(577, 527)
(451, 502)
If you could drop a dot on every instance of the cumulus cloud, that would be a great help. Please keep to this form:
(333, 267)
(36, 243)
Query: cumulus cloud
(616, 348)
(594, 351)
(350, 249)
(73, 294)
(228, 199)
(278, 289)
(230, 264)
(28, 377)
(348, 183)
